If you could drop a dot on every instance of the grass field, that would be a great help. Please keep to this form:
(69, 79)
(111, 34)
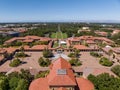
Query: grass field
(59, 35)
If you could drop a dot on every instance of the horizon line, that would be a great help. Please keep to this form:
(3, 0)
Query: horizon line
(60, 21)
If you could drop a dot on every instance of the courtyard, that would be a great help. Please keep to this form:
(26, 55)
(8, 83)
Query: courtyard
(90, 64)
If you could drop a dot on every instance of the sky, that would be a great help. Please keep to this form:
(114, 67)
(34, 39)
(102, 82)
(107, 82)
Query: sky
(59, 10)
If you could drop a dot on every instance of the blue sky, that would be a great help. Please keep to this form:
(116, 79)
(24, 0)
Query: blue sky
(59, 10)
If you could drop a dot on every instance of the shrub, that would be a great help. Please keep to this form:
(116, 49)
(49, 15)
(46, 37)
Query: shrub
(42, 74)
(15, 63)
(71, 55)
(44, 62)
(116, 70)
(95, 54)
(75, 62)
(47, 53)
(105, 62)
(16, 44)
(105, 82)
(21, 54)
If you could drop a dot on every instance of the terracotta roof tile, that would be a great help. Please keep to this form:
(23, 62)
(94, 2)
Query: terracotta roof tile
(2, 51)
(39, 47)
(11, 49)
(81, 47)
(55, 79)
(60, 80)
(28, 40)
(39, 84)
(84, 84)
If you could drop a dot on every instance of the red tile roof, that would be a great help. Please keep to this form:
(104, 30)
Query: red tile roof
(116, 50)
(62, 80)
(90, 42)
(39, 47)
(81, 47)
(11, 49)
(84, 84)
(10, 40)
(2, 51)
(36, 47)
(32, 37)
(28, 40)
(39, 84)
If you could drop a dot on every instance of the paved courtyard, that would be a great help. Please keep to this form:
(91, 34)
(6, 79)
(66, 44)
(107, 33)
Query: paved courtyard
(90, 64)
(28, 63)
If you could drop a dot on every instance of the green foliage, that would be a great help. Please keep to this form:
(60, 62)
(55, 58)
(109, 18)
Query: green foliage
(41, 30)
(59, 35)
(41, 43)
(3, 39)
(15, 63)
(13, 82)
(42, 74)
(20, 55)
(116, 38)
(47, 53)
(71, 55)
(105, 62)
(22, 85)
(101, 45)
(105, 82)
(3, 83)
(44, 62)
(95, 54)
(116, 70)
(74, 54)
(75, 62)
(16, 44)
(91, 33)
(18, 81)
(25, 74)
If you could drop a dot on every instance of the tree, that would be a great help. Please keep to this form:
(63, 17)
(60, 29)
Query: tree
(116, 70)
(105, 62)
(42, 74)
(25, 74)
(21, 55)
(15, 63)
(44, 62)
(22, 85)
(47, 53)
(116, 38)
(75, 62)
(105, 82)
(95, 54)
(13, 83)
(4, 83)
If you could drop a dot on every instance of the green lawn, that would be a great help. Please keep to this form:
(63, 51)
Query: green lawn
(59, 35)
(53, 35)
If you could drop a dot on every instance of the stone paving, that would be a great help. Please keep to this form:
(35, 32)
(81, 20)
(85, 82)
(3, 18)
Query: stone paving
(90, 64)
(30, 63)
